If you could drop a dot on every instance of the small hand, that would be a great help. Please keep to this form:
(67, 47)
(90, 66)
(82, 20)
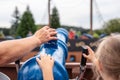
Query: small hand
(91, 55)
(46, 62)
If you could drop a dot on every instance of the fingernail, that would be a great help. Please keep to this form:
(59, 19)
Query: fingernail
(37, 59)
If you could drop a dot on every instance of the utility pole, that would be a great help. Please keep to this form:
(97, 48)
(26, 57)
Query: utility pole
(91, 16)
(49, 12)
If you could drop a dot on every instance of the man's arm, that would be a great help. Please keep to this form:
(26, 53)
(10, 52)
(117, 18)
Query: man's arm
(15, 49)
(12, 50)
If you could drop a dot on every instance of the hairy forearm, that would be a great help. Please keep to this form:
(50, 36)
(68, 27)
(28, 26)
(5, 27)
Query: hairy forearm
(14, 49)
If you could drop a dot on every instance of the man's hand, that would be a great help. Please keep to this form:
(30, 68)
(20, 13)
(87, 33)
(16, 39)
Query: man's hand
(45, 34)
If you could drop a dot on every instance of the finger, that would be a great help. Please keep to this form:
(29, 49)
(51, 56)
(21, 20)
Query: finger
(49, 55)
(90, 50)
(38, 60)
(42, 56)
(52, 58)
(46, 27)
(53, 38)
(85, 56)
(51, 30)
(45, 54)
(53, 33)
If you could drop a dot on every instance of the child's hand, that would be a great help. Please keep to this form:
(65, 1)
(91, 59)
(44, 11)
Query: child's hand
(46, 62)
(91, 55)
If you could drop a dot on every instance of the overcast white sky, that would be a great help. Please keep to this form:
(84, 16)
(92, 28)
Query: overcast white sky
(72, 12)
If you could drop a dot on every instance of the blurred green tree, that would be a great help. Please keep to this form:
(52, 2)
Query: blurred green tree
(15, 22)
(27, 24)
(95, 35)
(112, 26)
(99, 31)
(55, 20)
(6, 31)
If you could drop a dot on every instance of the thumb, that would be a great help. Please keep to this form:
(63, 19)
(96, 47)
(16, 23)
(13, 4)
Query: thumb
(85, 56)
(38, 61)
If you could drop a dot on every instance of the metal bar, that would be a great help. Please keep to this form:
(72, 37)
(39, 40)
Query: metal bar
(91, 16)
(49, 13)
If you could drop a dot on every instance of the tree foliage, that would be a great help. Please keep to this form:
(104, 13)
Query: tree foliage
(6, 31)
(55, 21)
(112, 26)
(15, 22)
(27, 24)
